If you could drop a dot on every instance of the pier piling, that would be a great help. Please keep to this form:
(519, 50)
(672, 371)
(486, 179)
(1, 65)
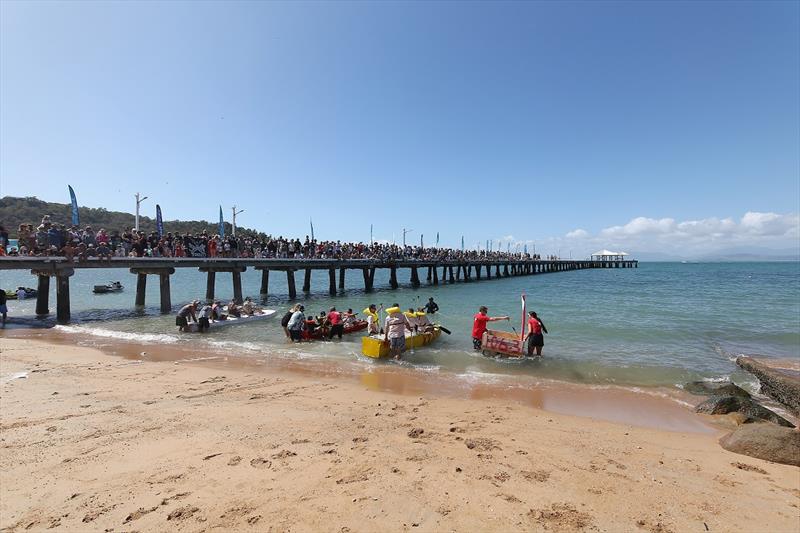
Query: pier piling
(211, 280)
(43, 296)
(166, 297)
(307, 281)
(332, 281)
(393, 277)
(264, 283)
(290, 283)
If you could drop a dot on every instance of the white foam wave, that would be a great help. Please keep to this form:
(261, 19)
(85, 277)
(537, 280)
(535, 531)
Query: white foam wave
(154, 338)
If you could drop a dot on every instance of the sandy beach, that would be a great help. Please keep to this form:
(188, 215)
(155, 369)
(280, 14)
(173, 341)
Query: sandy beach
(94, 442)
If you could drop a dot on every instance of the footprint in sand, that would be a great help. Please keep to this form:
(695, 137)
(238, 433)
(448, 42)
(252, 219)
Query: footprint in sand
(260, 462)
(234, 461)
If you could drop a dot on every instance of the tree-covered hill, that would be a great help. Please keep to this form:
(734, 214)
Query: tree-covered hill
(29, 210)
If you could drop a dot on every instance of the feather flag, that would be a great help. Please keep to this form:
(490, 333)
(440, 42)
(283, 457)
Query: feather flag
(421, 245)
(437, 239)
(370, 233)
(508, 248)
(159, 221)
(76, 219)
(526, 249)
(221, 229)
(462, 243)
(312, 228)
(524, 312)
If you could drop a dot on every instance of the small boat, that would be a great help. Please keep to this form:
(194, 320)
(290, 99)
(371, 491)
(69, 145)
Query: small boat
(29, 293)
(373, 345)
(318, 333)
(233, 320)
(114, 286)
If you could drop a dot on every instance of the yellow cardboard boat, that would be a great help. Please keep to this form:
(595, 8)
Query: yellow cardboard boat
(373, 345)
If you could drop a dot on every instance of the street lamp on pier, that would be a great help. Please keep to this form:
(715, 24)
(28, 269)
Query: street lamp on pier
(138, 202)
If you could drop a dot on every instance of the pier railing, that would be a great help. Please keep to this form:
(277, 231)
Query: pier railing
(451, 272)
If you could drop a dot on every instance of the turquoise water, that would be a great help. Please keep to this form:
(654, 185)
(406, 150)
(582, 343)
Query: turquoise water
(659, 325)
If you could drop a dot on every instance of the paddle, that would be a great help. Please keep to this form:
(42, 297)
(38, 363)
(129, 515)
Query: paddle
(442, 328)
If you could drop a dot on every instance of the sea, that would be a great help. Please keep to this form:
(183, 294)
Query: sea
(660, 325)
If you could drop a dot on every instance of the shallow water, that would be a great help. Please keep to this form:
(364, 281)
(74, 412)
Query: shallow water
(659, 325)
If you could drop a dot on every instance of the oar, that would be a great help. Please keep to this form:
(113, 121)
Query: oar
(442, 328)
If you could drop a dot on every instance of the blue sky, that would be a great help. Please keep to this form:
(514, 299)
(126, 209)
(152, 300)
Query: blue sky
(525, 121)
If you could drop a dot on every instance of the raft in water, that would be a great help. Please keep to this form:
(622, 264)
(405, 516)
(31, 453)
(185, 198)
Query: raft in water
(373, 345)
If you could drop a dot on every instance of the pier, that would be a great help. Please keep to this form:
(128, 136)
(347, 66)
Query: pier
(436, 272)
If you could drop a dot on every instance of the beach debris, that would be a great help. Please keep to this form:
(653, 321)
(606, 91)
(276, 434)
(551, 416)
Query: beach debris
(414, 433)
(12, 377)
(207, 457)
(765, 441)
(721, 405)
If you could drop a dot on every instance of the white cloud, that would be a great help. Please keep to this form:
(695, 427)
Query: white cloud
(686, 238)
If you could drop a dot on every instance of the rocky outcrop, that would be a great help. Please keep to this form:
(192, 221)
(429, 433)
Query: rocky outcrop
(765, 441)
(752, 411)
(704, 388)
(781, 386)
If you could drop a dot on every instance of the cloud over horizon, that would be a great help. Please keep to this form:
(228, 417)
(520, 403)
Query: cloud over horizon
(685, 238)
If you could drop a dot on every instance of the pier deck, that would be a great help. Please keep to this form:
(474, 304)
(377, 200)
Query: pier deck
(451, 271)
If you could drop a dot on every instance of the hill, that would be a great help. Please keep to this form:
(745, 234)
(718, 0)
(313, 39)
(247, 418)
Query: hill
(29, 210)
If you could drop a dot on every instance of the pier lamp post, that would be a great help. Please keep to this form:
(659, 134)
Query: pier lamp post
(138, 203)
(405, 231)
(233, 224)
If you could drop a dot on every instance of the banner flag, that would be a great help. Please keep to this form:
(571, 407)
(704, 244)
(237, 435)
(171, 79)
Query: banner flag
(526, 249)
(312, 228)
(420, 241)
(462, 243)
(76, 219)
(159, 221)
(221, 229)
(370, 233)
(437, 239)
(524, 312)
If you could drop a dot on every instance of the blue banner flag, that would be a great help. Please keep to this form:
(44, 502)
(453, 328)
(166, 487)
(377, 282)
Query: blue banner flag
(462, 243)
(420, 241)
(437, 239)
(312, 228)
(159, 221)
(76, 219)
(221, 229)
(526, 249)
(370, 233)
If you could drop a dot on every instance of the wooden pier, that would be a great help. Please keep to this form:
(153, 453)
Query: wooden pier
(436, 272)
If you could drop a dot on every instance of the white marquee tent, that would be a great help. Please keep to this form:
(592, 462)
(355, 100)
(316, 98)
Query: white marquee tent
(607, 255)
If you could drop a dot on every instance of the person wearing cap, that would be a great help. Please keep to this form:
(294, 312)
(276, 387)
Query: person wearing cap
(186, 312)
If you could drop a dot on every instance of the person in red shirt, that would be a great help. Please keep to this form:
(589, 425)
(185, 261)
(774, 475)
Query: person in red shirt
(535, 337)
(337, 325)
(479, 322)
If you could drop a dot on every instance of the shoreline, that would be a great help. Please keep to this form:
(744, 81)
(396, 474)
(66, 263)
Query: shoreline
(98, 442)
(652, 407)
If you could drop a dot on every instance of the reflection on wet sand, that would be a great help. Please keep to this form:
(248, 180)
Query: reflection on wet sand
(654, 408)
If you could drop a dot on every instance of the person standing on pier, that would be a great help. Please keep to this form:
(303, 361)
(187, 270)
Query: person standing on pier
(535, 337)
(479, 322)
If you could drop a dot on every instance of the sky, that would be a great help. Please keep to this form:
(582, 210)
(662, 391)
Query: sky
(644, 126)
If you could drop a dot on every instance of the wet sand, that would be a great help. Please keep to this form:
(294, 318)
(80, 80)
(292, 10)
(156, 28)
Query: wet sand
(92, 442)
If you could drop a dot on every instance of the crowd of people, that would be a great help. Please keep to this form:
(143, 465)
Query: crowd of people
(76, 243)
